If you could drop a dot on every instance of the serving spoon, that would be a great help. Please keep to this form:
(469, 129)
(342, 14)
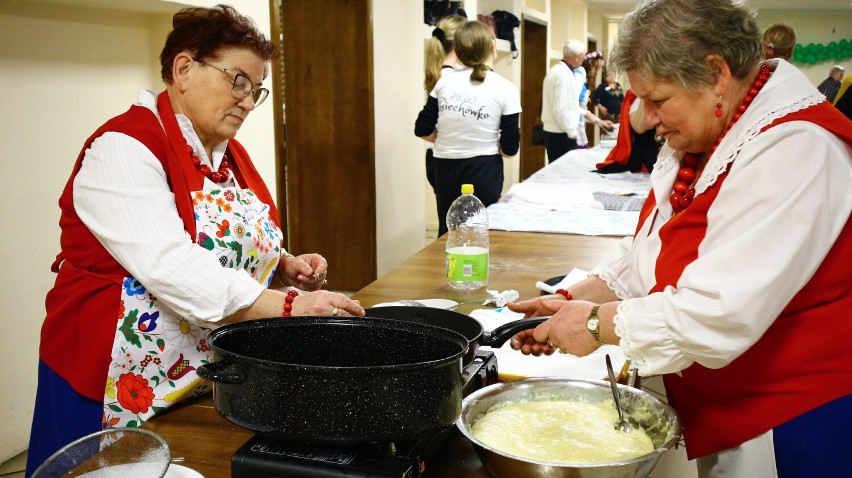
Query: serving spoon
(621, 424)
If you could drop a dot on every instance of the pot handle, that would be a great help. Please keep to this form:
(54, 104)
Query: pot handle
(218, 372)
(497, 337)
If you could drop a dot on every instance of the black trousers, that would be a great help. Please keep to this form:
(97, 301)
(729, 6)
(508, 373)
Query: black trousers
(558, 144)
(484, 172)
(430, 168)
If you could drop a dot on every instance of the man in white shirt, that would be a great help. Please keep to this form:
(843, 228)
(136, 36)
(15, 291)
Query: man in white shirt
(560, 111)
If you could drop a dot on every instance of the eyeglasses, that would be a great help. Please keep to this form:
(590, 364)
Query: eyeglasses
(242, 85)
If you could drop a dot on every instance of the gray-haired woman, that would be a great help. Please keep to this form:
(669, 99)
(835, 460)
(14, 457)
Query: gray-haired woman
(736, 285)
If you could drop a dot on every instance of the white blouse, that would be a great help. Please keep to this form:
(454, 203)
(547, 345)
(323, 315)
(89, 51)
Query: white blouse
(122, 195)
(780, 210)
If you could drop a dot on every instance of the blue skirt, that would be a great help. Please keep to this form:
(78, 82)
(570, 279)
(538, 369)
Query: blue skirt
(61, 416)
(816, 444)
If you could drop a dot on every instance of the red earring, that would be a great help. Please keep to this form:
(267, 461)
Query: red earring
(718, 112)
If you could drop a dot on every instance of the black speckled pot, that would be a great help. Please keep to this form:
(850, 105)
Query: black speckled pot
(458, 322)
(327, 380)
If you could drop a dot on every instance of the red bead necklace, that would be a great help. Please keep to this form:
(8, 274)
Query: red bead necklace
(684, 187)
(219, 176)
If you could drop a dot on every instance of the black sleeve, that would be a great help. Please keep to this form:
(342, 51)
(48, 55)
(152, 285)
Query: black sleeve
(427, 119)
(597, 94)
(510, 134)
(844, 103)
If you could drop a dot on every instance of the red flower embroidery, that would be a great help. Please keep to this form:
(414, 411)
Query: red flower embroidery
(134, 394)
(223, 229)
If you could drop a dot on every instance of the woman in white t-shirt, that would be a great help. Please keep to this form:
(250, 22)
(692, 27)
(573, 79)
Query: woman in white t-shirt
(439, 57)
(472, 117)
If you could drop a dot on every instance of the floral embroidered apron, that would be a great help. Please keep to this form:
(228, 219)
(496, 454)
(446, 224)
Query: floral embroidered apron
(155, 352)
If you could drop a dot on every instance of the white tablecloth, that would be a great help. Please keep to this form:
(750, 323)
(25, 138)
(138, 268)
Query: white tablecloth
(569, 196)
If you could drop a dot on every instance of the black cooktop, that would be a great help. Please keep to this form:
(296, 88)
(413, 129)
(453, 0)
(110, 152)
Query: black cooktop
(266, 457)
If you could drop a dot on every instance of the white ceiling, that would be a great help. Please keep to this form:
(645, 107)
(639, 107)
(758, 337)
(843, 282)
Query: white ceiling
(144, 6)
(617, 8)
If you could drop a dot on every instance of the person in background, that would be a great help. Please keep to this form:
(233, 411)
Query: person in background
(831, 85)
(561, 111)
(582, 78)
(636, 146)
(750, 333)
(472, 117)
(438, 58)
(779, 41)
(608, 96)
(843, 101)
(168, 231)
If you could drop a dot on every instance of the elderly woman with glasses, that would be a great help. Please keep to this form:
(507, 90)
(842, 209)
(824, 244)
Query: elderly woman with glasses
(168, 230)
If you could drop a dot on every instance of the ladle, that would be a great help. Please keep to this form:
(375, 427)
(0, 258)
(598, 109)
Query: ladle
(621, 424)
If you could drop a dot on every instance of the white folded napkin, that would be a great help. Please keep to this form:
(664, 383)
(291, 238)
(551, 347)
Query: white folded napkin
(576, 275)
(499, 299)
(554, 196)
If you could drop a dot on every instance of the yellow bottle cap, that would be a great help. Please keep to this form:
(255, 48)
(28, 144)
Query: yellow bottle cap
(467, 189)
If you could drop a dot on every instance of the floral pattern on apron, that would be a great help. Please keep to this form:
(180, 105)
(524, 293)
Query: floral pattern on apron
(155, 352)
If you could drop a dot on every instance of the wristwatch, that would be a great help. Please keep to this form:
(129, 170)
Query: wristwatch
(594, 325)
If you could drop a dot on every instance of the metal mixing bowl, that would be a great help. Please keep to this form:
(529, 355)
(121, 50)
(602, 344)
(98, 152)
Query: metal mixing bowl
(641, 409)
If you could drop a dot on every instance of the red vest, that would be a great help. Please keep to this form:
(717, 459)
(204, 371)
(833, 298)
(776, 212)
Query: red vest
(799, 364)
(83, 305)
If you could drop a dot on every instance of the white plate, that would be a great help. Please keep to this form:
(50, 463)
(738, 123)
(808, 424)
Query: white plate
(125, 470)
(435, 303)
(178, 471)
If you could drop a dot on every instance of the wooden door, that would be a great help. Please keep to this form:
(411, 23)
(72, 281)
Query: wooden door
(533, 68)
(330, 192)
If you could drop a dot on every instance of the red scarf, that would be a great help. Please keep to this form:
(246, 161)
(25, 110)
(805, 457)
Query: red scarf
(620, 153)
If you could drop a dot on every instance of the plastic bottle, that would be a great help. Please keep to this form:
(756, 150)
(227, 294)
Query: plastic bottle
(467, 242)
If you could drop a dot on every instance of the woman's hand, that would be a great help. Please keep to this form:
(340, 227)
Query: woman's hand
(606, 125)
(326, 303)
(305, 272)
(537, 307)
(564, 331)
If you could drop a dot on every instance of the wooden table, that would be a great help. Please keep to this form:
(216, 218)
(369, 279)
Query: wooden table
(518, 260)
(195, 431)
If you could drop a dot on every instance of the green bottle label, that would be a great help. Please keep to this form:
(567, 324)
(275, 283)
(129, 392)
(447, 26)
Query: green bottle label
(467, 264)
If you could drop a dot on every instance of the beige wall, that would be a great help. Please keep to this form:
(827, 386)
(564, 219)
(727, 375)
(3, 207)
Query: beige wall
(63, 78)
(814, 27)
(398, 32)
